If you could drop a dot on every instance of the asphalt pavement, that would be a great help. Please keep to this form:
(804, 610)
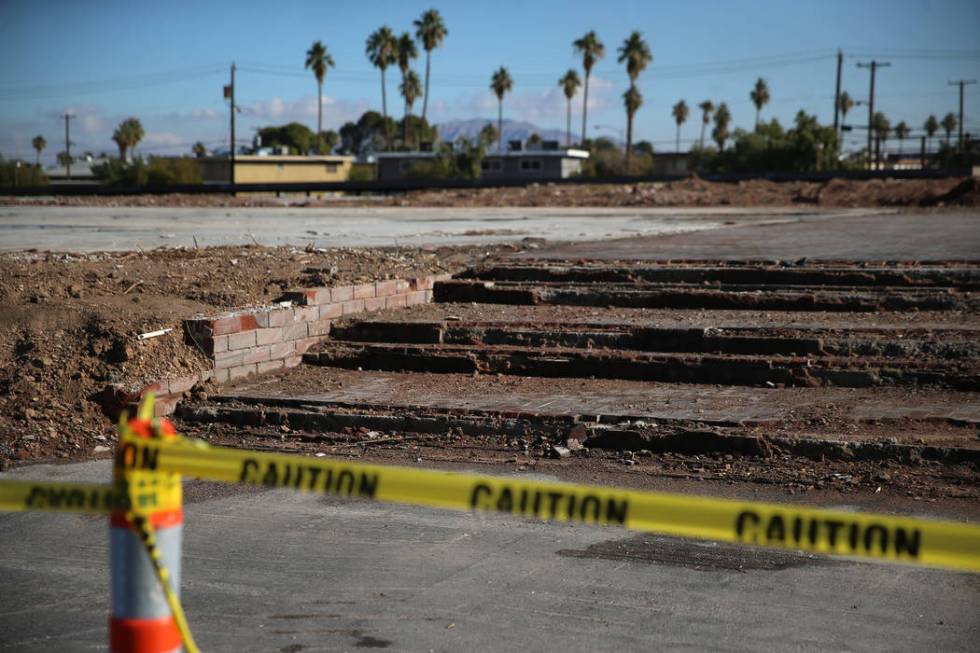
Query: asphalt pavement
(278, 571)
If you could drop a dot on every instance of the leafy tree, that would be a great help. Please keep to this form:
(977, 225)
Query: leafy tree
(707, 109)
(299, 138)
(533, 141)
(128, 135)
(807, 146)
(326, 141)
(368, 134)
(38, 143)
(949, 124)
(431, 32)
(591, 49)
(63, 158)
(901, 133)
(643, 147)
(318, 60)
(723, 118)
(199, 150)
(411, 89)
(488, 135)
(680, 113)
(382, 50)
(635, 53)
(501, 83)
(569, 84)
(759, 96)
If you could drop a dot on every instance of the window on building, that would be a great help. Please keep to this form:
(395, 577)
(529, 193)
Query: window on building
(530, 164)
(331, 167)
(492, 165)
(404, 166)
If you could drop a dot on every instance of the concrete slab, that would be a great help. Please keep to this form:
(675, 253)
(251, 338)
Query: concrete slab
(277, 571)
(920, 236)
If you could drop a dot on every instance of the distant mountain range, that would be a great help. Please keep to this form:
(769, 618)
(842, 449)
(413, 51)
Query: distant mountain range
(513, 130)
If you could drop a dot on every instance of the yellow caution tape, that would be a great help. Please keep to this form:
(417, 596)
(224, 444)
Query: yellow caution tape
(62, 497)
(877, 537)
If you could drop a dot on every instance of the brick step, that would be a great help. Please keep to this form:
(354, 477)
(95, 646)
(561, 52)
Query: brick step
(664, 367)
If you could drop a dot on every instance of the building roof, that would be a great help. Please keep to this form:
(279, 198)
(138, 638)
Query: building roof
(570, 153)
(285, 158)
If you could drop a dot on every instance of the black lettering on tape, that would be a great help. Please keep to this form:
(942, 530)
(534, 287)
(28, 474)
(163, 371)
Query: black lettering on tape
(907, 543)
(549, 504)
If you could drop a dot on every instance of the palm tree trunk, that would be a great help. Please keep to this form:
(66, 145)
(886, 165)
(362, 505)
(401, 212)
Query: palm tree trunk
(757, 118)
(585, 106)
(701, 140)
(568, 123)
(405, 125)
(384, 111)
(425, 98)
(677, 144)
(319, 108)
(500, 125)
(629, 140)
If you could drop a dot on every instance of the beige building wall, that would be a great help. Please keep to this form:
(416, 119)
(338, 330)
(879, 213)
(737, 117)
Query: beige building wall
(251, 169)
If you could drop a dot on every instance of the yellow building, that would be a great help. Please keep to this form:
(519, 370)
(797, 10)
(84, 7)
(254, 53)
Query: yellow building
(277, 168)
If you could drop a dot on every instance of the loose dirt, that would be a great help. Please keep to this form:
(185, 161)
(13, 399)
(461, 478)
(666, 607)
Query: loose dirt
(692, 191)
(70, 322)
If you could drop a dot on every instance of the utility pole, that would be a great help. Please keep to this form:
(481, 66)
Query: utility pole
(840, 62)
(229, 93)
(961, 83)
(874, 66)
(67, 146)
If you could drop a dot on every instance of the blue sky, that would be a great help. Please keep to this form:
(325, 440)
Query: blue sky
(166, 62)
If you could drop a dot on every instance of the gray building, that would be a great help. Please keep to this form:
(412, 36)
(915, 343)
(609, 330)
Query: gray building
(543, 164)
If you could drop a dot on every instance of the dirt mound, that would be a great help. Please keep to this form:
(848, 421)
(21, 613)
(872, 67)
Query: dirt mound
(70, 322)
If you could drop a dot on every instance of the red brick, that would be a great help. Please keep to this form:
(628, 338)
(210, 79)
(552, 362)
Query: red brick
(354, 306)
(294, 331)
(256, 355)
(384, 288)
(396, 301)
(374, 304)
(182, 384)
(281, 350)
(165, 405)
(319, 328)
(228, 359)
(421, 283)
(363, 290)
(304, 344)
(306, 314)
(241, 371)
(220, 344)
(280, 317)
(402, 285)
(292, 361)
(242, 340)
(330, 311)
(268, 336)
(415, 298)
(268, 366)
(341, 294)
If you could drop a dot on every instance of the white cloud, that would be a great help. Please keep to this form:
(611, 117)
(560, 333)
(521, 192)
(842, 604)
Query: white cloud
(163, 139)
(303, 109)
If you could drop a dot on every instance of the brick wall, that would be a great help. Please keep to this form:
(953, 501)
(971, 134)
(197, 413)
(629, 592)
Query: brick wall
(254, 341)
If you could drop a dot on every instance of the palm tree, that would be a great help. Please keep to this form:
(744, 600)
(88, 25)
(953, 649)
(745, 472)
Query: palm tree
(632, 100)
(635, 53)
(501, 84)
(382, 51)
(127, 135)
(199, 150)
(901, 133)
(949, 124)
(407, 53)
(931, 126)
(411, 89)
(318, 60)
(722, 119)
(591, 49)
(707, 108)
(844, 104)
(431, 32)
(760, 97)
(39, 144)
(880, 126)
(569, 83)
(680, 113)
